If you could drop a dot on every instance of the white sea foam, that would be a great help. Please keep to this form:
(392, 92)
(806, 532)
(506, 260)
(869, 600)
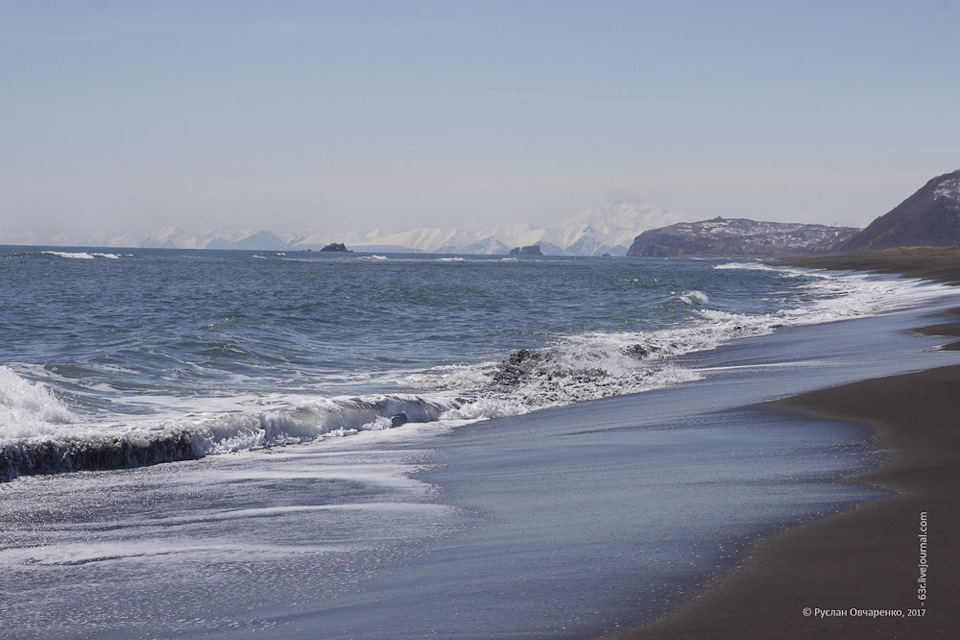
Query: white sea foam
(751, 266)
(158, 552)
(65, 254)
(39, 434)
(840, 297)
(28, 409)
(309, 420)
(831, 298)
(374, 257)
(576, 368)
(600, 364)
(694, 297)
(784, 272)
(82, 255)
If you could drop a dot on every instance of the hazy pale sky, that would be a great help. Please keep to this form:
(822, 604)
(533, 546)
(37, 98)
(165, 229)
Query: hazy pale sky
(337, 115)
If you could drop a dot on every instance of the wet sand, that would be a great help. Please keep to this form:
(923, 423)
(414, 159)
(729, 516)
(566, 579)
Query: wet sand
(852, 575)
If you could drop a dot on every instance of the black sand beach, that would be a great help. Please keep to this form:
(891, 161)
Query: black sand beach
(700, 499)
(884, 569)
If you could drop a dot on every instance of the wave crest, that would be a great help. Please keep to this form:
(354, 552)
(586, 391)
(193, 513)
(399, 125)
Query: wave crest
(72, 448)
(28, 408)
(693, 298)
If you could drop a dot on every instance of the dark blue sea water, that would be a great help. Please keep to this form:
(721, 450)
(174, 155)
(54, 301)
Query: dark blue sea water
(410, 446)
(235, 350)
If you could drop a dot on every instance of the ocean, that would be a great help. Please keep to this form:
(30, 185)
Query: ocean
(222, 444)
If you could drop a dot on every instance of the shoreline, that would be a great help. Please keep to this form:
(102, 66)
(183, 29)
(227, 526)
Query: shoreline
(838, 577)
(927, 263)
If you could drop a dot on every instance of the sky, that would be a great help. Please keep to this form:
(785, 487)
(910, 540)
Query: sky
(352, 115)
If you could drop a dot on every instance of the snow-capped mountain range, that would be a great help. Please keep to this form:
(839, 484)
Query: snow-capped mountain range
(605, 229)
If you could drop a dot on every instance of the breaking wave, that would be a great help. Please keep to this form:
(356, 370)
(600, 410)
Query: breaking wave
(82, 255)
(39, 434)
(694, 297)
(69, 255)
(749, 266)
(28, 408)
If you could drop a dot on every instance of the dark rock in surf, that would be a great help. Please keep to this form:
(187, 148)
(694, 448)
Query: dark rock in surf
(517, 367)
(531, 250)
(337, 247)
(639, 351)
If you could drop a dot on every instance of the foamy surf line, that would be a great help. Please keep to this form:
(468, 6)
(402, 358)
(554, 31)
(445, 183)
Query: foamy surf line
(70, 255)
(49, 438)
(41, 432)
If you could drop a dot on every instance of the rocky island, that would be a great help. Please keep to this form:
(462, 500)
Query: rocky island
(338, 247)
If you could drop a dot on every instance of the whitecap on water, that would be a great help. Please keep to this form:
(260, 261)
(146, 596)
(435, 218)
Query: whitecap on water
(694, 297)
(27, 408)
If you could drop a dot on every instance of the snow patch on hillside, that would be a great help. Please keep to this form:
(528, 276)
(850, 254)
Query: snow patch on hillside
(948, 189)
